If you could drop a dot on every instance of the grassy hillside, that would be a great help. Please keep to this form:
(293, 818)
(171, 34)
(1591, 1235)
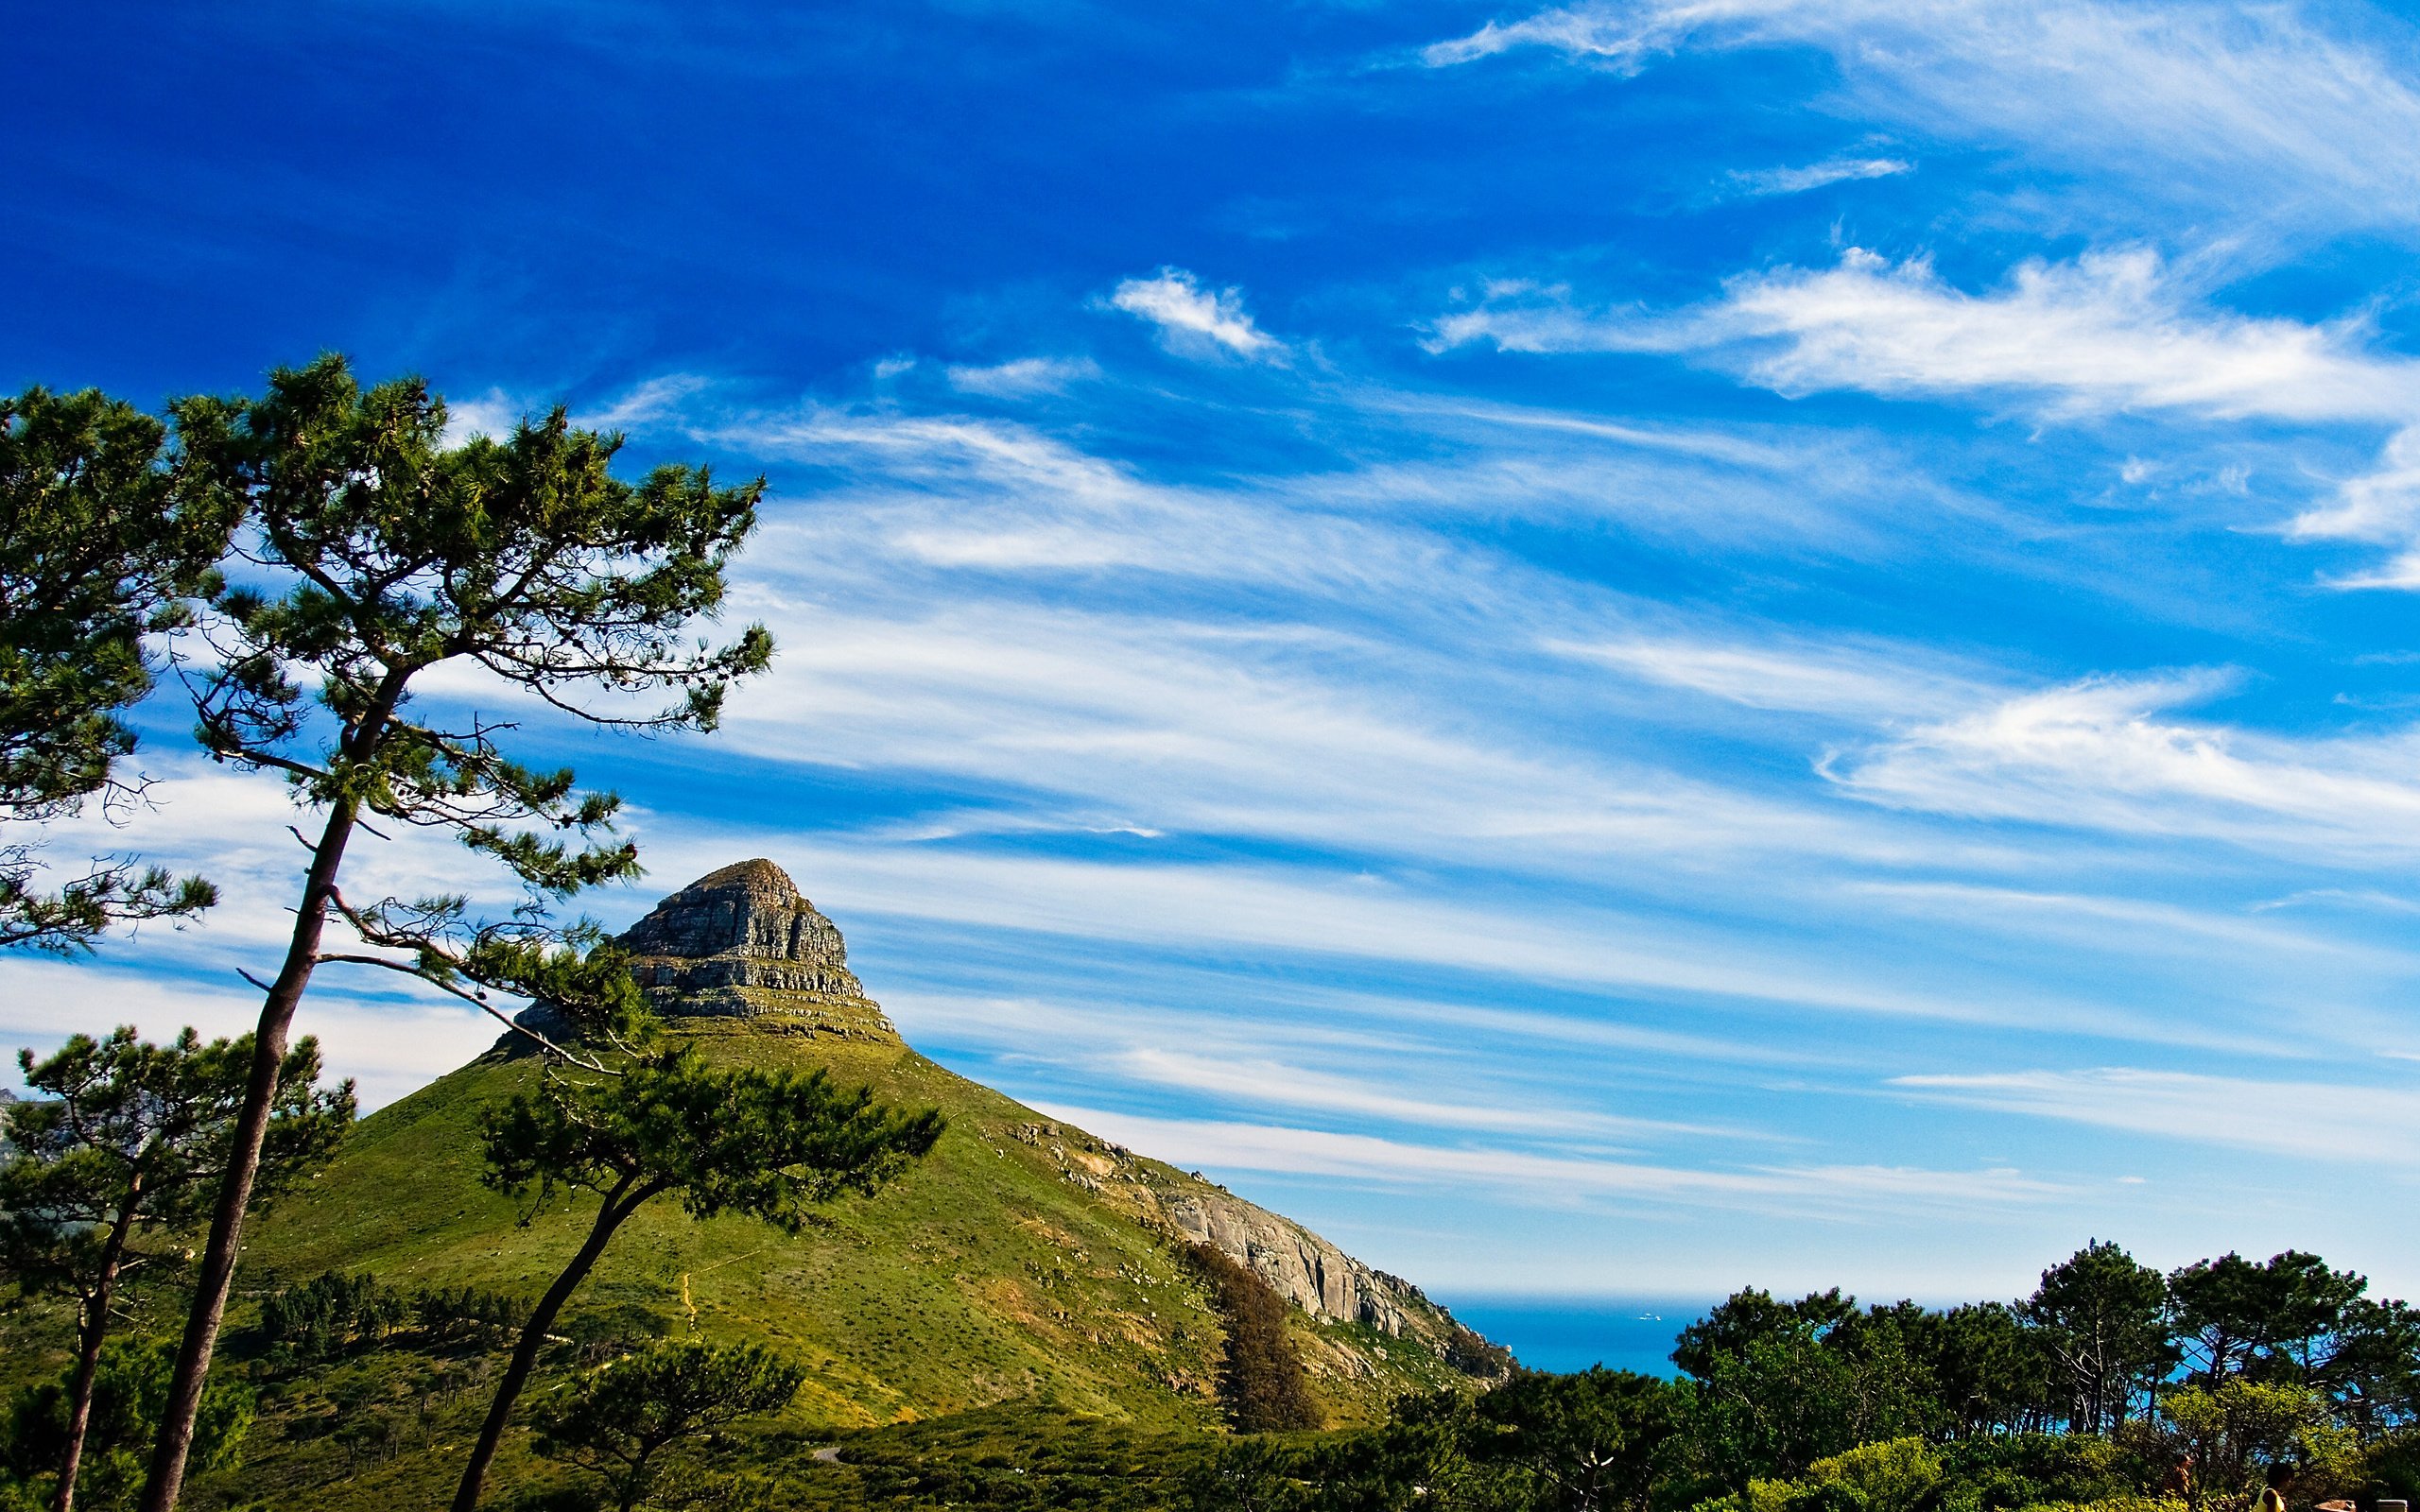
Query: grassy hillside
(1019, 1308)
(1021, 1262)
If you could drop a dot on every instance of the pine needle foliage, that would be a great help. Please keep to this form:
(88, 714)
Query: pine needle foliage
(769, 1144)
(620, 1420)
(116, 1159)
(374, 553)
(105, 539)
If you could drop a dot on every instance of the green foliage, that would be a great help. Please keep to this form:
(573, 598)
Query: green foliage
(2239, 1432)
(2103, 1316)
(619, 1419)
(125, 1145)
(1589, 1442)
(129, 1388)
(766, 1145)
(1260, 1373)
(123, 1156)
(393, 552)
(1993, 1474)
(124, 1134)
(104, 537)
(378, 553)
(771, 1145)
(336, 1315)
(1778, 1386)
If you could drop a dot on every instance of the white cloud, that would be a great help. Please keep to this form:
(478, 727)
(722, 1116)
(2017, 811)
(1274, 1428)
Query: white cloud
(1194, 317)
(1865, 683)
(2100, 753)
(2307, 1120)
(493, 414)
(2380, 506)
(1260, 1079)
(2109, 331)
(1023, 377)
(1765, 181)
(1835, 1191)
(2257, 109)
(1617, 40)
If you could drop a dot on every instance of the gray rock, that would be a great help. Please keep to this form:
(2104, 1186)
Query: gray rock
(703, 949)
(1297, 1263)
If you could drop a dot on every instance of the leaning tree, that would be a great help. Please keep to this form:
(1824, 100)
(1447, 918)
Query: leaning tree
(768, 1145)
(374, 556)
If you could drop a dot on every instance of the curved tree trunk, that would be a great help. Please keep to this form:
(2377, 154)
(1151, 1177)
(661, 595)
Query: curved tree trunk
(619, 1204)
(217, 1271)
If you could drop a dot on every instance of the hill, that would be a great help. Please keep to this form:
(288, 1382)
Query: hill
(1024, 1261)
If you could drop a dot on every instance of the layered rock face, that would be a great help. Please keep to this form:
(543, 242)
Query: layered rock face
(1297, 1263)
(742, 942)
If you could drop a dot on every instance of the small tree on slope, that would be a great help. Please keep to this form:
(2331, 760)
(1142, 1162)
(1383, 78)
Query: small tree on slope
(389, 555)
(620, 1418)
(771, 1145)
(122, 1149)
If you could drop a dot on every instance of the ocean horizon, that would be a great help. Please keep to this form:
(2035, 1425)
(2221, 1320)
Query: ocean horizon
(1565, 1333)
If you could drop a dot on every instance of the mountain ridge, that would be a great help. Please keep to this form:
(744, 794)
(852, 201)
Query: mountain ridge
(1024, 1260)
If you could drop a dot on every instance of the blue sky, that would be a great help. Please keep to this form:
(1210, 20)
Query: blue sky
(1621, 649)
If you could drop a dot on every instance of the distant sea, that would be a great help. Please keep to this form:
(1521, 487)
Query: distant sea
(1572, 1333)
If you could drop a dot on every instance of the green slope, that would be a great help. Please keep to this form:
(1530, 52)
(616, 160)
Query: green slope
(983, 1275)
(1024, 1266)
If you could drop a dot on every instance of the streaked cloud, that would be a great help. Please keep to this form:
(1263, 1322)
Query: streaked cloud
(2109, 331)
(2325, 1121)
(2272, 111)
(1022, 377)
(1841, 1192)
(2110, 753)
(1814, 174)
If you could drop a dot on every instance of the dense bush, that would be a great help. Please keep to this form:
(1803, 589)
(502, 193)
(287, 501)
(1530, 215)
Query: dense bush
(127, 1397)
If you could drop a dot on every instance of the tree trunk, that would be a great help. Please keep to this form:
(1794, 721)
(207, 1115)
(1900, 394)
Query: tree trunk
(96, 1325)
(217, 1272)
(619, 1204)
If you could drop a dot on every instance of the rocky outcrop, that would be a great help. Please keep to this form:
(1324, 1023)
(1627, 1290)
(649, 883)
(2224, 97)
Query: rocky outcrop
(742, 942)
(1297, 1263)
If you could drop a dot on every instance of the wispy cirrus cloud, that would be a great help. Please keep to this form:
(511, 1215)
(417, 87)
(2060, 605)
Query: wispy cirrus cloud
(1023, 376)
(2108, 331)
(1194, 319)
(2267, 111)
(2311, 1120)
(1834, 1191)
(2111, 753)
(1799, 181)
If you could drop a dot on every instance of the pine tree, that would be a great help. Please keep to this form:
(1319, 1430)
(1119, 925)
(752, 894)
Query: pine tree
(120, 1155)
(377, 554)
(621, 1418)
(769, 1144)
(104, 539)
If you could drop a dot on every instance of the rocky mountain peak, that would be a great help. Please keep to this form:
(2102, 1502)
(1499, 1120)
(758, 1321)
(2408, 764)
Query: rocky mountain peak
(742, 941)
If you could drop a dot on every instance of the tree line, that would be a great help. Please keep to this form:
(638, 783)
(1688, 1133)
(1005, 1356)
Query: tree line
(300, 566)
(2113, 1385)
